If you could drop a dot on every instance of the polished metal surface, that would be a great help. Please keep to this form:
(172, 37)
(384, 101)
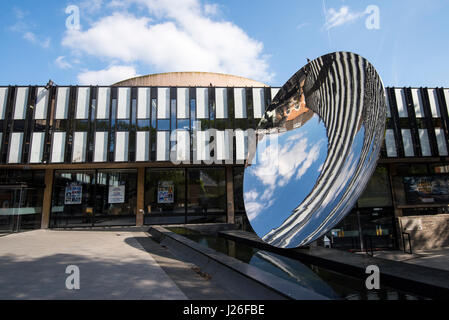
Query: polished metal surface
(315, 150)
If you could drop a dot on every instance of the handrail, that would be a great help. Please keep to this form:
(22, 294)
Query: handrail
(409, 242)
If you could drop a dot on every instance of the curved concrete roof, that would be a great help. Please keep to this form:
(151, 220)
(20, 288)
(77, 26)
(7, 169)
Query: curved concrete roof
(190, 79)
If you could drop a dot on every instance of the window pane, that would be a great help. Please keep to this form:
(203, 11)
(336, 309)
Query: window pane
(206, 194)
(377, 192)
(165, 196)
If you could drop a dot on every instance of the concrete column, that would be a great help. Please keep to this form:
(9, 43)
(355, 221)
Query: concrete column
(46, 205)
(230, 195)
(140, 197)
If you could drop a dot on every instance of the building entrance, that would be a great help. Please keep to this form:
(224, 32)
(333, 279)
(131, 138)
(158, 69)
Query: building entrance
(20, 208)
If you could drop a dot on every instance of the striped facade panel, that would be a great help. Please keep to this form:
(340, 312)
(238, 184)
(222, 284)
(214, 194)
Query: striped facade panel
(388, 107)
(62, 103)
(401, 103)
(221, 102)
(240, 103)
(37, 147)
(408, 143)
(121, 146)
(223, 147)
(446, 97)
(123, 103)
(142, 146)
(202, 103)
(3, 102)
(202, 146)
(441, 141)
(163, 146)
(163, 103)
(241, 145)
(101, 147)
(417, 103)
(21, 103)
(79, 147)
(182, 103)
(15, 147)
(433, 100)
(40, 110)
(424, 141)
(390, 144)
(82, 103)
(258, 102)
(58, 147)
(182, 145)
(143, 103)
(103, 103)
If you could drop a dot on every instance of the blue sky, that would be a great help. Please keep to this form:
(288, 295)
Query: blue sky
(265, 40)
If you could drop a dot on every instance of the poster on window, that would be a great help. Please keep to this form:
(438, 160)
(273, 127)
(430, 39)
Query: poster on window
(73, 194)
(165, 192)
(116, 195)
(427, 190)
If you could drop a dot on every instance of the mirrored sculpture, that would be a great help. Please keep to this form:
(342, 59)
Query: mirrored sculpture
(315, 150)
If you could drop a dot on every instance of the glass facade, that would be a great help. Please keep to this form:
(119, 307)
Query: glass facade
(94, 198)
(21, 197)
(126, 127)
(185, 196)
(372, 221)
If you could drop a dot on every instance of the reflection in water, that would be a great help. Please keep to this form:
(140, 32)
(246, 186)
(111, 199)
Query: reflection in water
(323, 281)
(317, 147)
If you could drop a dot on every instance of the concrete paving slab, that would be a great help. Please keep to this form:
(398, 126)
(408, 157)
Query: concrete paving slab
(113, 265)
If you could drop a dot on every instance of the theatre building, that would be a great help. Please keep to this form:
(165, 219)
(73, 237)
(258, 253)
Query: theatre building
(141, 152)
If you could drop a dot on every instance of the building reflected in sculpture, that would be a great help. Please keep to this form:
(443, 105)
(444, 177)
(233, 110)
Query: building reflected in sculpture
(328, 122)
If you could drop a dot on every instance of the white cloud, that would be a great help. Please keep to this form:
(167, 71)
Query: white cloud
(251, 195)
(253, 209)
(61, 63)
(184, 38)
(91, 6)
(31, 37)
(211, 9)
(343, 16)
(107, 76)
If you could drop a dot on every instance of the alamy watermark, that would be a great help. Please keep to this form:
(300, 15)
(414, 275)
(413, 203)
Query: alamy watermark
(372, 22)
(373, 280)
(73, 20)
(72, 282)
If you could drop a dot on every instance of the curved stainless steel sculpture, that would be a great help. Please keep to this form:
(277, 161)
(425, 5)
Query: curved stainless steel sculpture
(315, 150)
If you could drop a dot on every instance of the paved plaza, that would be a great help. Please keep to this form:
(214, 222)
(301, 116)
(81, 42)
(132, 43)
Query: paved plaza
(112, 264)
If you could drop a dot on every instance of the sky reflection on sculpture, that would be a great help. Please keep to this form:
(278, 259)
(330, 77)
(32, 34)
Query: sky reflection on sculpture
(317, 147)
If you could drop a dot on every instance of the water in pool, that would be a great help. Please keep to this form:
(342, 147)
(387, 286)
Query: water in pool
(328, 283)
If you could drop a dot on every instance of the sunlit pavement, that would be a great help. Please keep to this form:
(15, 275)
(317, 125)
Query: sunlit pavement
(437, 258)
(112, 265)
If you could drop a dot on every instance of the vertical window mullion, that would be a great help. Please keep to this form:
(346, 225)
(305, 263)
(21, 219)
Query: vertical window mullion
(396, 128)
(51, 109)
(133, 126)
(8, 122)
(412, 122)
(70, 122)
(93, 95)
(429, 122)
(442, 104)
(28, 127)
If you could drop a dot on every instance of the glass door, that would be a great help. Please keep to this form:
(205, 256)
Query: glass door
(20, 208)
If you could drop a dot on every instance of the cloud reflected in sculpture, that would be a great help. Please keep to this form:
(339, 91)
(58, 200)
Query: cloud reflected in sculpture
(317, 147)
